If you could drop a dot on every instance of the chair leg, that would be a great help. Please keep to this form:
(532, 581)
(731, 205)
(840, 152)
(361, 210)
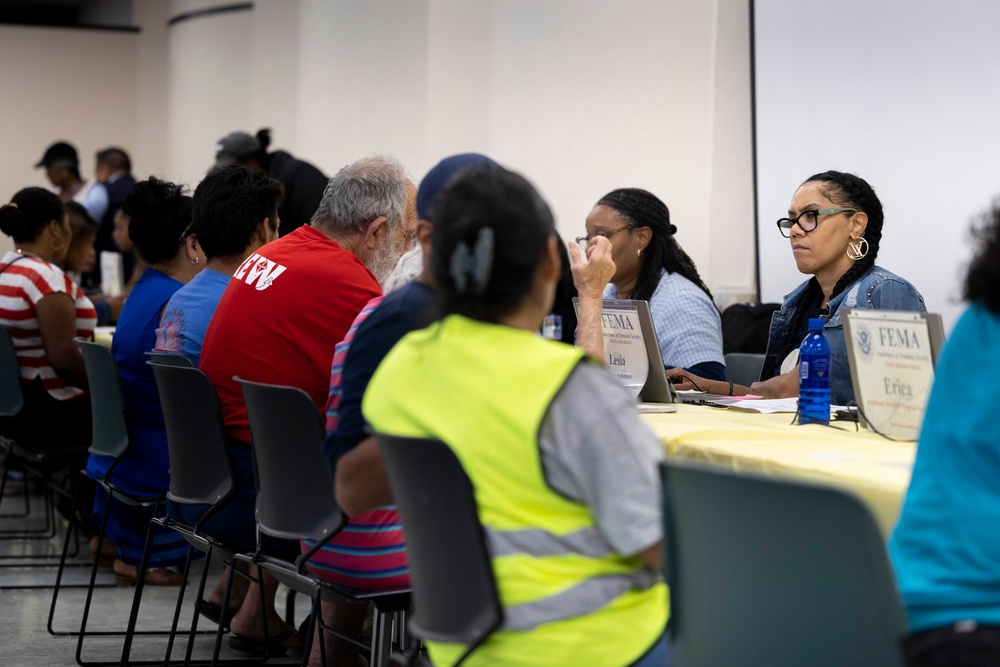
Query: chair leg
(311, 632)
(62, 562)
(180, 603)
(3, 487)
(139, 584)
(290, 608)
(380, 634)
(90, 590)
(263, 604)
(225, 605)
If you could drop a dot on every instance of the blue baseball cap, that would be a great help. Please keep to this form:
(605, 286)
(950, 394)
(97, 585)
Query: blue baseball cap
(440, 174)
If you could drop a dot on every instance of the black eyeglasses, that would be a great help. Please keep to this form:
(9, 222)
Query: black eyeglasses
(607, 235)
(807, 220)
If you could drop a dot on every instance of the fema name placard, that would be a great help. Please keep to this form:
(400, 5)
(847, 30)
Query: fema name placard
(892, 367)
(624, 346)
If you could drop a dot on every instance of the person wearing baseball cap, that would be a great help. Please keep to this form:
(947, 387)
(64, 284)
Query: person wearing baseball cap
(304, 183)
(62, 168)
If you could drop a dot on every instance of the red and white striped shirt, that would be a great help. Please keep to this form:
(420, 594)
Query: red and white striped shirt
(23, 284)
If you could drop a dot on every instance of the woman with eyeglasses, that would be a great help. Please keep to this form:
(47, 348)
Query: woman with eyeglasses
(652, 266)
(160, 229)
(834, 225)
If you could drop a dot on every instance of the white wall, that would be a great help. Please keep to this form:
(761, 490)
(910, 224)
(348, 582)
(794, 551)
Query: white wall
(581, 97)
(75, 85)
(210, 79)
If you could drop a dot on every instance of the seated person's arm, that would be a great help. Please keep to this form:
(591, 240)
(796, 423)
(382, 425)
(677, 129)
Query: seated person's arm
(782, 386)
(652, 556)
(56, 315)
(785, 385)
(108, 308)
(591, 276)
(360, 480)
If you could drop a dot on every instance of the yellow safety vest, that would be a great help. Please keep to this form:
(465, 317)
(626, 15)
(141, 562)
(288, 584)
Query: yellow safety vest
(484, 390)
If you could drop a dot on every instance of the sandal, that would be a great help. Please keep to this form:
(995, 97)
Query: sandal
(272, 648)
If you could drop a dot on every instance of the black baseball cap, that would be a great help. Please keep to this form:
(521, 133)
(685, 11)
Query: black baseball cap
(59, 152)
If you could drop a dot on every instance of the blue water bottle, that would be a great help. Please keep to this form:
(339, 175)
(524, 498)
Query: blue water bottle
(814, 376)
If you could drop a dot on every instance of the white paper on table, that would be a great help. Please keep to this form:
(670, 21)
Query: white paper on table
(767, 405)
(770, 405)
(646, 408)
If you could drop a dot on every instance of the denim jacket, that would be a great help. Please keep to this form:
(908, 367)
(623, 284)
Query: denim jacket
(876, 289)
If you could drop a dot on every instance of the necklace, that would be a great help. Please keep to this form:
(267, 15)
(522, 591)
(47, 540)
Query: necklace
(27, 253)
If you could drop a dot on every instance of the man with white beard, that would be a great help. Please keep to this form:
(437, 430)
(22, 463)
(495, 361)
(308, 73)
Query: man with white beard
(284, 311)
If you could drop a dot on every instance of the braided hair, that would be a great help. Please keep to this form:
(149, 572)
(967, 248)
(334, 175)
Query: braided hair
(641, 208)
(849, 191)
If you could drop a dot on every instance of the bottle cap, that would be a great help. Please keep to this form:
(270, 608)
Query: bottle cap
(816, 324)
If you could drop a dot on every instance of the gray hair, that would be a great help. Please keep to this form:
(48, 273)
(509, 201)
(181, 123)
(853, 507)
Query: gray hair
(368, 189)
(409, 266)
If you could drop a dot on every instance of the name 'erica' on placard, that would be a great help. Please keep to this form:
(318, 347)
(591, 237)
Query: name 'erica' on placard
(895, 387)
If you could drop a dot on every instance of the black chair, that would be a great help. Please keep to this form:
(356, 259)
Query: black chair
(36, 464)
(772, 572)
(110, 438)
(295, 501)
(455, 597)
(170, 359)
(201, 473)
(11, 402)
(743, 367)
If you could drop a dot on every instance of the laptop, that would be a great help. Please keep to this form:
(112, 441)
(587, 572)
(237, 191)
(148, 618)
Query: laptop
(656, 389)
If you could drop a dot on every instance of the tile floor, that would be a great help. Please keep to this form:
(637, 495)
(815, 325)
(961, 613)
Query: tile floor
(24, 640)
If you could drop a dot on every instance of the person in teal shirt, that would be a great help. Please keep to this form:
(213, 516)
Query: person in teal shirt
(946, 546)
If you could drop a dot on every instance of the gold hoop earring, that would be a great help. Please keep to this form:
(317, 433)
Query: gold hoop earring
(857, 248)
(194, 261)
(638, 252)
(56, 248)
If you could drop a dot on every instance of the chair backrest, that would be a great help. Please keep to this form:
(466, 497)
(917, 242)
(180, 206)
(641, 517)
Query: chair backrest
(743, 368)
(772, 572)
(107, 403)
(295, 499)
(200, 470)
(11, 393)
(170, 359)
(454, 591)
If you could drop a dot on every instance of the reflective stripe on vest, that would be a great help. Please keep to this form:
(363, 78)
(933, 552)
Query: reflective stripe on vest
(538, 542)
(584, 598)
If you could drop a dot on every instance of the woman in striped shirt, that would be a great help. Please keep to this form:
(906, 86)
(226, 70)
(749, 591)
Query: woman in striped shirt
(43, 310)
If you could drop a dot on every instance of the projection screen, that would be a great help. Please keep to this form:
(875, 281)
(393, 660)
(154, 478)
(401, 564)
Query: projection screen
(904, 93)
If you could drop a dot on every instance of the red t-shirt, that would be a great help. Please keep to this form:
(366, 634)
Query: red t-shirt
(285, 310)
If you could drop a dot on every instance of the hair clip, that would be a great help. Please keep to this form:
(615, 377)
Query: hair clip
(470, 268)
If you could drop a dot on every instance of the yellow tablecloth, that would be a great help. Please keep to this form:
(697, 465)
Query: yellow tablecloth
(875, 469)
(104, 335)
